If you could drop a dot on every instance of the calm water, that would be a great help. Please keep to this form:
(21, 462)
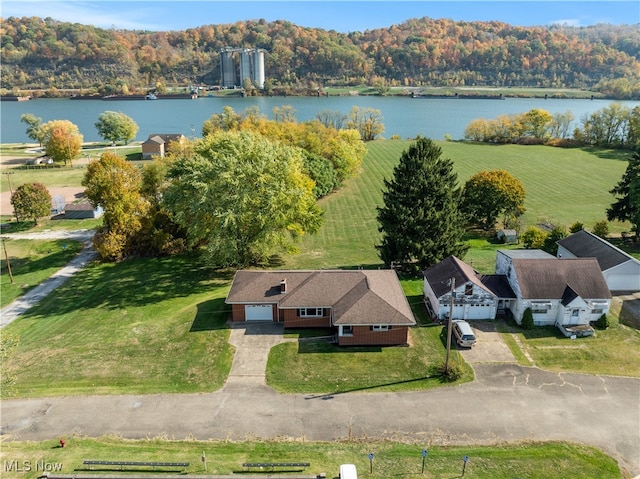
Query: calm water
(403, 116)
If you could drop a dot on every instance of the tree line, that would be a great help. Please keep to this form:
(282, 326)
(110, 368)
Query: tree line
(614, 126)
(49, 55)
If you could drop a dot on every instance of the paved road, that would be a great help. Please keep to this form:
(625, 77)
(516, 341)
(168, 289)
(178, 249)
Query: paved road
(506, 403)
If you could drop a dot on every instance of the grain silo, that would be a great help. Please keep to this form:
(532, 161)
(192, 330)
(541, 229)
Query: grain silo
(245, 65)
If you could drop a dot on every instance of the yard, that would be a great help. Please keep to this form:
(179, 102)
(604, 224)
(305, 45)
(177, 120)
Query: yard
(124, 322)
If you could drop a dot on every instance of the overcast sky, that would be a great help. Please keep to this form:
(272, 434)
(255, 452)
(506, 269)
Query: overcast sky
(343, 16)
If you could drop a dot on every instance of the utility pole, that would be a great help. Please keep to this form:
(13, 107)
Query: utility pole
(452, 282)
(6, 258)
(9, 173)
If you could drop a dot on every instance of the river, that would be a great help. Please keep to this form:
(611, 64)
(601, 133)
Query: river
(403, 116)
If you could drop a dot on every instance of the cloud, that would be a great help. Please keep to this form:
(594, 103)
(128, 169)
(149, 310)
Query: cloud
(571, 22)
(100, 14)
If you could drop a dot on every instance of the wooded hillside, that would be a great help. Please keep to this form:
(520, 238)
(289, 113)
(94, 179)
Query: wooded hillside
(48, 54)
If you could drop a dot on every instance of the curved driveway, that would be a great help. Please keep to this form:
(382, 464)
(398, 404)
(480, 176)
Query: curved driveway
(506, 403)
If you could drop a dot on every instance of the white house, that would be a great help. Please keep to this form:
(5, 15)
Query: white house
(562, 292)
(621, 271)
(476, 296)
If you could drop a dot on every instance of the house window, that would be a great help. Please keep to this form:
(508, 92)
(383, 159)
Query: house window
(597, 311)
(310, 312)
(468, 289)
(380, 328)
(347, 331)
(540, 308)
(575, 313)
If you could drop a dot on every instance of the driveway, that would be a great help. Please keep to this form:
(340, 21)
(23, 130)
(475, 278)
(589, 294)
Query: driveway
(506, 403)
(490, 347)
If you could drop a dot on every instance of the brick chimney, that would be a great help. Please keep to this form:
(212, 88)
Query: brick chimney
(283, 286)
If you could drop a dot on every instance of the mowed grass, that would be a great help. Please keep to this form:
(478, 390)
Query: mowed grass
(563, 186)
(614, 351)
(391, 459)
(142, 326)
(31, 262)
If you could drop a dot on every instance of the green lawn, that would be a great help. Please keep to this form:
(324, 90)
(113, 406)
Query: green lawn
(614, 351)
(530, 460)
(31, 262)
(142, 326)
(563, 186)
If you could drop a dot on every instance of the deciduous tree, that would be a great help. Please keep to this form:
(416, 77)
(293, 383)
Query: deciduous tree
(31, 201)
(115, 184)
(627, 191)
(367, 121)
(62, 140)
(243, 197)
(420, 221)
(34, 128)
(488, 194)
(115, 126)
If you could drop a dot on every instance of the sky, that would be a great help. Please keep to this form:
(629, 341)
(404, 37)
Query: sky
(342, 16)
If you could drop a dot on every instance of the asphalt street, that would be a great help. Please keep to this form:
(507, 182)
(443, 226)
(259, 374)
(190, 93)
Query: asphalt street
(506, 403)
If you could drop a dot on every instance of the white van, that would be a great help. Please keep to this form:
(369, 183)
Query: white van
(348, 471)
(464, 334)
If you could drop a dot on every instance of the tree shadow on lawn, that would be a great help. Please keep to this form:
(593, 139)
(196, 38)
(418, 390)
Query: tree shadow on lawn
(131, 283)
(211, 315)
(608, 154)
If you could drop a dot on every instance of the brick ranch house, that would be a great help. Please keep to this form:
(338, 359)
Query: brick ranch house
(363, 307)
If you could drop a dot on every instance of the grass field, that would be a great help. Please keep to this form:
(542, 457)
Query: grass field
(563, 186)
(530, 460)
(32, 262)
(615, 351)
(143, 326)
(114, 315)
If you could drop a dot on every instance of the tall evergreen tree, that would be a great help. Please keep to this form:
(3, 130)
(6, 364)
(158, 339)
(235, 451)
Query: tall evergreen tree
(627, 206)
(420, 222)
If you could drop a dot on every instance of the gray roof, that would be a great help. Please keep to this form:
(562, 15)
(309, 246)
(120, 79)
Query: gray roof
(499, 285)
(357, 296)
(526, 253)
(587, 245)
(549, 278)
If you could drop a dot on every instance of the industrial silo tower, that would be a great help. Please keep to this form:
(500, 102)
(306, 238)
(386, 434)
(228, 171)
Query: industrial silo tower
(227, 68)
(258, 67)
(245, 65)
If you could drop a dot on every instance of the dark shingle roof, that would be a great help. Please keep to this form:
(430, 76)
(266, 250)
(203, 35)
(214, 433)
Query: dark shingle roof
(499, 285)
(549, 278)
(587, 245)
(439, 274)
(357, 297)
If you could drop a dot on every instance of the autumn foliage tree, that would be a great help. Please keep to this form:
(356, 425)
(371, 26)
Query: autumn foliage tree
(115, 184)
(62, 140)
(488, 194)
(31, 201)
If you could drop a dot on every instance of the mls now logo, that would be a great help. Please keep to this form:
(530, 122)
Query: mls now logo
(28, 466)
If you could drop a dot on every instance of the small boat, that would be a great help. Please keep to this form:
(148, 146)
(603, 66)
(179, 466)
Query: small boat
(151, 96)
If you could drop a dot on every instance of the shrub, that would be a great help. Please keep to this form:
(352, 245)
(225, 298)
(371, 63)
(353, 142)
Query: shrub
(602, 322)
(527, 319)
(601, 229)
(455, 372)
(575, 227)
(533, 238)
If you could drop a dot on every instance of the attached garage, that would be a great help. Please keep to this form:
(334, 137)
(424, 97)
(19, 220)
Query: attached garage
(258, 312)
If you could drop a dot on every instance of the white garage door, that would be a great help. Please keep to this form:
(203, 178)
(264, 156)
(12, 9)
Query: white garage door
(479, 312)
(258, 312)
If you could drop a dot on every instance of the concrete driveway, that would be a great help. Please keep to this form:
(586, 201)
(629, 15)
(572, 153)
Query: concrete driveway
(506, 403)
(490, 347)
